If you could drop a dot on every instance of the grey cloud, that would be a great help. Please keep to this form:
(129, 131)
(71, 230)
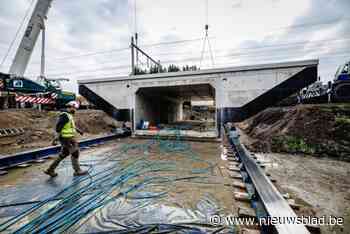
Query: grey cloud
(320, 16)
(89, 18)
(82, 26)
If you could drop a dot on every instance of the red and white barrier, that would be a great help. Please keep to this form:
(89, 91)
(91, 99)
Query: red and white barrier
(54, 95)
(36, 100)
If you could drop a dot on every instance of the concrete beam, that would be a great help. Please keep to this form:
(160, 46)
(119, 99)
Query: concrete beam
(268, 66)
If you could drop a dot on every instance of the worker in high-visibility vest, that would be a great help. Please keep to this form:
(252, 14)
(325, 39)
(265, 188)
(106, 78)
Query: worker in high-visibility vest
(66, 130)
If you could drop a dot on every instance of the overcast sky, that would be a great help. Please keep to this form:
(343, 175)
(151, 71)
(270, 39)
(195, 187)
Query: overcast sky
(90, 38)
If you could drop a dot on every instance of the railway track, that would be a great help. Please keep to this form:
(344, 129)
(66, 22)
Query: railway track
(27, 158)
(267, 203)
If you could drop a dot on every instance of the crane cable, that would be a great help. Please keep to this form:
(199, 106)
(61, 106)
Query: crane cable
(135, 32)
(17, 33)
(206, 38)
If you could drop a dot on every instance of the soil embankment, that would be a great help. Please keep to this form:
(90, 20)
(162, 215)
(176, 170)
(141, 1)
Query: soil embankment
(312, 139)
(39, 127)
(319, 130)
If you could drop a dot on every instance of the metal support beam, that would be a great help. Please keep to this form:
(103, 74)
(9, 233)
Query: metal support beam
(30, 37)
(43, 41)
(144, 53)
(132, 56)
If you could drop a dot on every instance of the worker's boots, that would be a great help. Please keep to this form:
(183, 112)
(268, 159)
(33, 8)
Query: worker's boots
(50, 173)
(76, 167)
(51, 170)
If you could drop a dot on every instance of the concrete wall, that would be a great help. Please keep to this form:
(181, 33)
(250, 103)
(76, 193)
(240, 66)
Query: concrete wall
(238, 88)
(119, 94)
(235, 87)
(145, 110)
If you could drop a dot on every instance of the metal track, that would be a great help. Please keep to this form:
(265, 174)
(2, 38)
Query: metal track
(274, 203)
(30, 156)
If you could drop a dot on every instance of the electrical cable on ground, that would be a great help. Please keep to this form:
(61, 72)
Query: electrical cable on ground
(123, 178)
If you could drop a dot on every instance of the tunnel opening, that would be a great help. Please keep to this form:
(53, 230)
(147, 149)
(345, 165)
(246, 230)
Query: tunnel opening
(189, 110)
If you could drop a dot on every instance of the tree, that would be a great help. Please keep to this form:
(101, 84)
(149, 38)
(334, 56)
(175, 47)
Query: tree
(139, 71)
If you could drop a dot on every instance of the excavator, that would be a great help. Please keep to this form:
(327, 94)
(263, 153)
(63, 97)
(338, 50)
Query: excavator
(45, 91)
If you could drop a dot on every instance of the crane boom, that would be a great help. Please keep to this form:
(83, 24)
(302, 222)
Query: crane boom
(25, 49)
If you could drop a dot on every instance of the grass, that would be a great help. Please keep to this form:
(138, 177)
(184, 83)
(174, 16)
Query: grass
(342, 120)
(342, 128)
(292, 144)
(336, 108)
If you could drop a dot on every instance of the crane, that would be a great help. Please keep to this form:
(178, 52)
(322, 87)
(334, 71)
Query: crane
(14, 81)
(35, 25)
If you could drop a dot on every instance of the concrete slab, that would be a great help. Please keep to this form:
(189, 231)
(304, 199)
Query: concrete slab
(246, 212)
(234, 169)
(235, 175)
(184, 134)
(2, 172)
(250, 231)
(238, 184)
(240, 196)
(194, 188)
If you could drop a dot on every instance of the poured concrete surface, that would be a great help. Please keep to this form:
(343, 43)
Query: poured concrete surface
(185, 201)
(184, 133)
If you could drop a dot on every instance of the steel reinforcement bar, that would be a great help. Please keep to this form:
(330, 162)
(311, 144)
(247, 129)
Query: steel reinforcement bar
(275, 205)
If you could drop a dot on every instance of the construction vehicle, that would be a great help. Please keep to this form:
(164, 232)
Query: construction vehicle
(14, 85)
(341, 84)
(336, 91)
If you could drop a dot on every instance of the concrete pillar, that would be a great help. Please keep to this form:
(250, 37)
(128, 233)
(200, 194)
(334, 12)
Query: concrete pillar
(179, 113)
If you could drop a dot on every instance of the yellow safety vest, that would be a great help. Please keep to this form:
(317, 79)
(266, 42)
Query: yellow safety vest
(68, 129)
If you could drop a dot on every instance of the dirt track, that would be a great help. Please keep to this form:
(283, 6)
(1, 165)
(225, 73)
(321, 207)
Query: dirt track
(322, 183)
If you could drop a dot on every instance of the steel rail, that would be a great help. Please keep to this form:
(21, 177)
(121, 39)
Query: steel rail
(275, 205)
(32, 155)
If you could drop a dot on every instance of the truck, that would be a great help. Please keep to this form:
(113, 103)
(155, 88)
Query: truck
(341, 83)
(337, 90)
(14, 87)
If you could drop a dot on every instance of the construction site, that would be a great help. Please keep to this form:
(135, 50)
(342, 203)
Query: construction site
(146, 143)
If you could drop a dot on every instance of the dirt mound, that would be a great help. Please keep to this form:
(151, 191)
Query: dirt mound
(322, 130)
(39, 127)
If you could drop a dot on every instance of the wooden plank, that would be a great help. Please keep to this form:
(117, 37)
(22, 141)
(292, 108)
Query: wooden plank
(239, 196)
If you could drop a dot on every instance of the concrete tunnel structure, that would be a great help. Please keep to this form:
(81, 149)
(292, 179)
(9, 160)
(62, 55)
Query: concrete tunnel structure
(238, 92)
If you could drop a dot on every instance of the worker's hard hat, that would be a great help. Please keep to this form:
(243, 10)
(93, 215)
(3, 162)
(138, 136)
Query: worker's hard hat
(74, 104)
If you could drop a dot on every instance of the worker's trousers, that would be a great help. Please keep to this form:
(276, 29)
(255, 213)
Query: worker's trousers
(69, 146)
